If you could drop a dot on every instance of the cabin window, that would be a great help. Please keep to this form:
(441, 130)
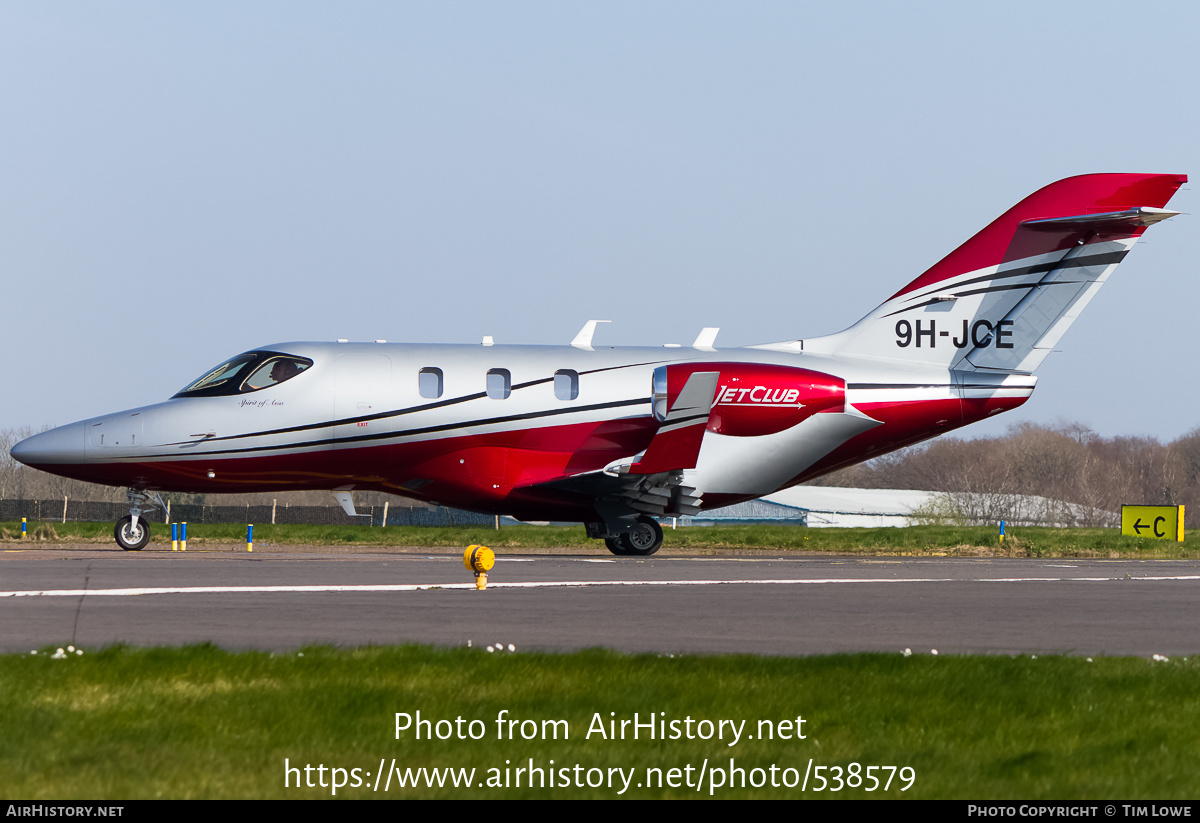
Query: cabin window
(566, 384)
(499, 384)
(429, 383)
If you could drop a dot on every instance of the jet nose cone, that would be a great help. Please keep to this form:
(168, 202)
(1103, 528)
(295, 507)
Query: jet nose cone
(62, 445)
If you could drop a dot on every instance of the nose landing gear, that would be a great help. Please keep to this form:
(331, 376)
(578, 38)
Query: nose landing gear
(132, 534)
(133, 531)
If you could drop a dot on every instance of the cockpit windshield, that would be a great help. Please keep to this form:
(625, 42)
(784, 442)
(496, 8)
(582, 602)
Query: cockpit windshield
(247, 372)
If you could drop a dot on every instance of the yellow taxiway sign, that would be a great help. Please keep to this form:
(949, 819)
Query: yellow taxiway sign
(1164, 522)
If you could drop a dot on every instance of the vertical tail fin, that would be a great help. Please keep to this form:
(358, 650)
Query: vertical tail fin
(1001, 300)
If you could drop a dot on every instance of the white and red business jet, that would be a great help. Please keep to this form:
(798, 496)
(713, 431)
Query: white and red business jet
(615, 437)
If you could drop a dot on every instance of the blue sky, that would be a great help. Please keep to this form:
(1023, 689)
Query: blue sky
(182, 182)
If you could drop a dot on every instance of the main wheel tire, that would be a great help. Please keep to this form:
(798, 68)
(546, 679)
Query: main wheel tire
(132, 537)
(645, 539)
(615, 546)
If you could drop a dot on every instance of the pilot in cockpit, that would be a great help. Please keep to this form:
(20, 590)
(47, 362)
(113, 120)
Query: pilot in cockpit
(284, 370)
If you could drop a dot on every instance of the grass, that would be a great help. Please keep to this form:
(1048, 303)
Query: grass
(914, 540)
(199, 722)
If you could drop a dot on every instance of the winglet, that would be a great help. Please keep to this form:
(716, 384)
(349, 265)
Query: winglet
(346, 502)
(677, 444)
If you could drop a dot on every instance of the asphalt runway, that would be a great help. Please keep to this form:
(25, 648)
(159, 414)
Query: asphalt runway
(664, 604)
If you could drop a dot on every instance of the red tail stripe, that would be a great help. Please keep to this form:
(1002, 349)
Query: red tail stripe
(1086, 194)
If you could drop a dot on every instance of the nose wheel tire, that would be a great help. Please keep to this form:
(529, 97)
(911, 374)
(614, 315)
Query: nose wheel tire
(132, 536)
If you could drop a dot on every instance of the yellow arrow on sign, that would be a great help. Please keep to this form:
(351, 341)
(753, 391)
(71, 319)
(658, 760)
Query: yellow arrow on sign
(1159, 522)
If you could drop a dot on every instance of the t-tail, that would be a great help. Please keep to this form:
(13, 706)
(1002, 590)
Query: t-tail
(1000, 302)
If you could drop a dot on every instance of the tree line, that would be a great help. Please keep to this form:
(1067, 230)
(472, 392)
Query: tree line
(1084, 477)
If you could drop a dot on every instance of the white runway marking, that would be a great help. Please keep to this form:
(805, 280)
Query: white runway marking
(410, 587)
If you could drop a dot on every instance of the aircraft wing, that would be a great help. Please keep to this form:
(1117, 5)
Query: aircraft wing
(653, 482)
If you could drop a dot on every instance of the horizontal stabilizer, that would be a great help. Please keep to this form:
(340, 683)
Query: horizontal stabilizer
(1111, 222)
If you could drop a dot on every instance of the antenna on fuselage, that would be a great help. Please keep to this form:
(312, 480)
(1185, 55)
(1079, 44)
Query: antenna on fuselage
(583, 340)
(706, 339)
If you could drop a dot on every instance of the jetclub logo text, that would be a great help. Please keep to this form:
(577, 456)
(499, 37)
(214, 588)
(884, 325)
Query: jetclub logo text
(758, 396)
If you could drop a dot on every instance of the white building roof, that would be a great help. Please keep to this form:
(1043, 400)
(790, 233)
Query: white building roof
(831, 505)
(893, 502)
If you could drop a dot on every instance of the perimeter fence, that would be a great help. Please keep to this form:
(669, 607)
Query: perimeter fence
(62, 510)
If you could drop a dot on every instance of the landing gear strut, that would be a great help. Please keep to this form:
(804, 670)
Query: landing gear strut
(133, 531)
(641, 538)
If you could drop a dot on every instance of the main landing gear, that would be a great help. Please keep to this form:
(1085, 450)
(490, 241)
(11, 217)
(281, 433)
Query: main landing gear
(642, 538)
(133, 531)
